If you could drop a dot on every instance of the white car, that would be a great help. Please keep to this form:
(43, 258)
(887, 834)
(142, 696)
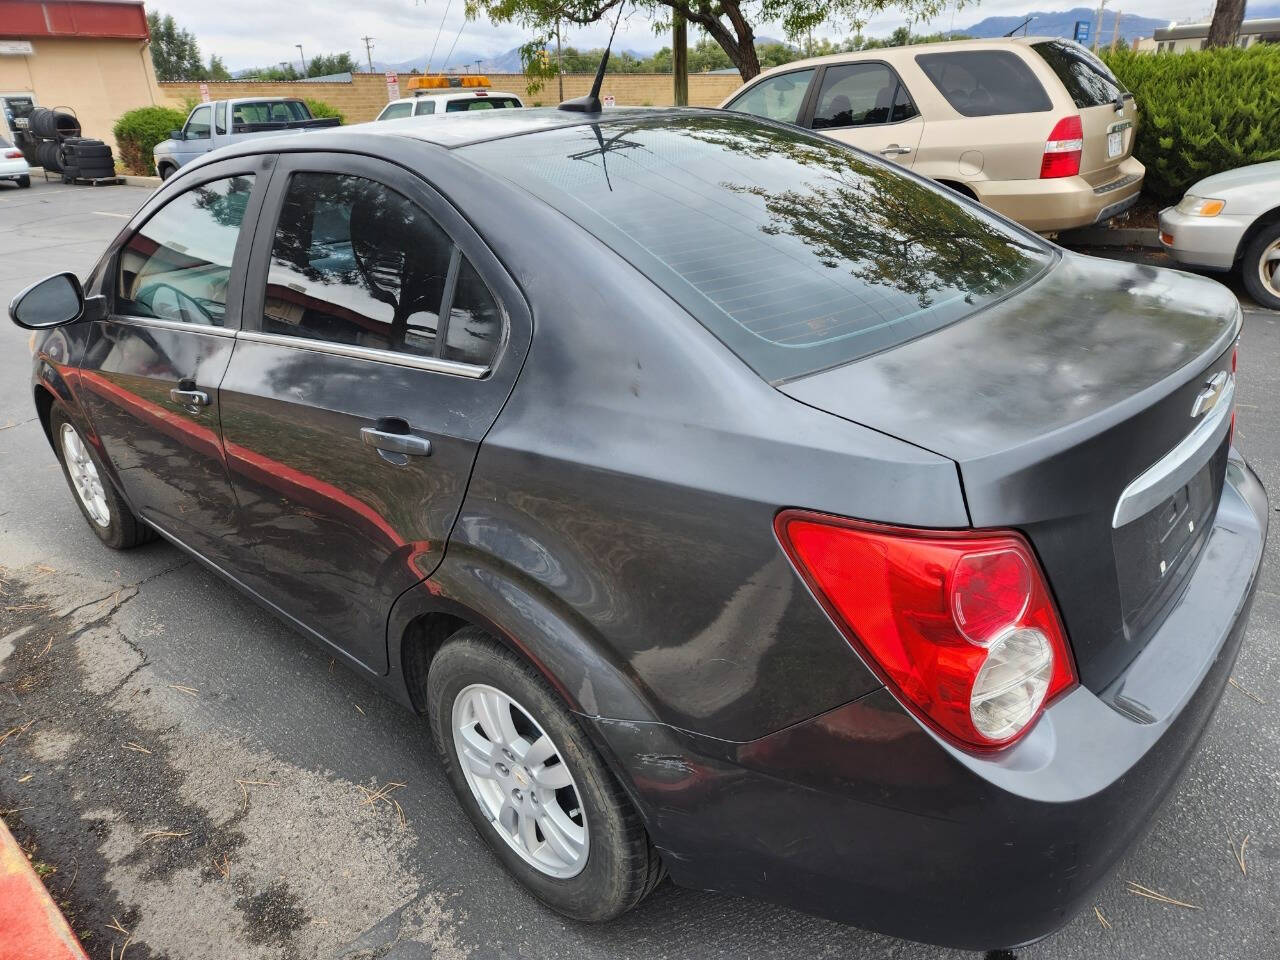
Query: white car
(448, 94)
(1231, 220)
(13, 165)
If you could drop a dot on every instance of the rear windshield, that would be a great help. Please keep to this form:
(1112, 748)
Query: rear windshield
(269, 111)
(796, 251)
(985, 83)
(481, 103)
(1087, 79)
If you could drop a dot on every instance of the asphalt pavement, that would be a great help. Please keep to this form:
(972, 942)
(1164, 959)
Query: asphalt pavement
(196, 780)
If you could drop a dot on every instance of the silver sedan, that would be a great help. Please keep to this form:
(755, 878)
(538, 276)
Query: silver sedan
(1231, 220)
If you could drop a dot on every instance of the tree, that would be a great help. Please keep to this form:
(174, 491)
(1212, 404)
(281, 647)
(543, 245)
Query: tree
(174, 51)
(329, 63)
(1225, 26)
(729, 23)
(217, 69)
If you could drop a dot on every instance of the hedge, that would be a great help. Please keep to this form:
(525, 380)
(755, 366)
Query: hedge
(138, 131)
(1202, 112)
(319, 108)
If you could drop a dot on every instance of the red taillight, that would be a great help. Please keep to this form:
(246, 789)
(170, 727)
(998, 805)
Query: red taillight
(960, 625)
(13, 154)
(1062, 149)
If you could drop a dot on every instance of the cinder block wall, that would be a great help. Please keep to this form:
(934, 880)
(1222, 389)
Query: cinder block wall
(364, 97)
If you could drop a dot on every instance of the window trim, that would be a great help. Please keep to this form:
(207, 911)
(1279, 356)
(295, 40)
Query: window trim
(220, 118)
(806, 120)
(416, 191)
(172, 190)
(806, 104)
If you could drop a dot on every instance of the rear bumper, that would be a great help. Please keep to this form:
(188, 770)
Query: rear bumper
(1063, 203)
(862, 815)
(1208, 242)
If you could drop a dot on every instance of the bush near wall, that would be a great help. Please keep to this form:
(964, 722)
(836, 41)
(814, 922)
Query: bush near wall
(138, 131)
(319, 108)
(1202, 112)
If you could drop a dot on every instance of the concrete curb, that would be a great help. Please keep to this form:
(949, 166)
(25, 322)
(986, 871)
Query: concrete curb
(1112, 237)
(33, 926)
(131, 181)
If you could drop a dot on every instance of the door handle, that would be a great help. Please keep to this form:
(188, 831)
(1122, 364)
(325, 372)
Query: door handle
(186, 394)
(893, 150)
(385, 441)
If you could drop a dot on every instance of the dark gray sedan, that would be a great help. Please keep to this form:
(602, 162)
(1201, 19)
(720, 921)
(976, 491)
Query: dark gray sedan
(730, 503)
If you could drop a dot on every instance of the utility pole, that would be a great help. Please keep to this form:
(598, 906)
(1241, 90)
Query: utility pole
(477, 66)
(680, 60)
(1097, 27)
(368, 50)
(304, 58)
(559, 61)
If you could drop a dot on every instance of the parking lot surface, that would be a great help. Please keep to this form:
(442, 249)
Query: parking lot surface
(196, 780)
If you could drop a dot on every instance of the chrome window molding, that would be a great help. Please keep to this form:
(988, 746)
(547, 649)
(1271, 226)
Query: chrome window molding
(173, 325)
(434, 364)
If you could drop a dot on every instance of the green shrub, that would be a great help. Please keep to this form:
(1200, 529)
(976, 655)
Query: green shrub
(1202, 112)
(319, 108)
(138, 131)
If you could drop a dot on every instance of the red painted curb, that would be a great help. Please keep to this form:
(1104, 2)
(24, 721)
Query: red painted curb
(31, 925)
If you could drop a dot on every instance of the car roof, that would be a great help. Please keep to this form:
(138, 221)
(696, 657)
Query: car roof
(910, 50)
(477, 126)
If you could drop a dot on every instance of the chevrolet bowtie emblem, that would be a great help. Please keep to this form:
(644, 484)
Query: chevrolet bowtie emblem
(1208, 398)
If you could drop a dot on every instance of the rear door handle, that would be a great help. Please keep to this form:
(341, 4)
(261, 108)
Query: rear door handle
(405, 443)
(893, 150)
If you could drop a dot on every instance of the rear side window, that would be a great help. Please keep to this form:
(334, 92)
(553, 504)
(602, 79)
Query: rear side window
(985, 83)
(356, 263)
(177, 266)
(855, 95)
(777, 98)
(424, 107)
(394, 110)
(480, 103)
(269, 111)
(797, 252)
(1087, 79)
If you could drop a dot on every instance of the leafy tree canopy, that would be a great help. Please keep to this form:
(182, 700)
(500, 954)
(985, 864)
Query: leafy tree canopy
(176, 55)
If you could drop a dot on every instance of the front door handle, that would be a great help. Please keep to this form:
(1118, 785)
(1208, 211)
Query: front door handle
(893, 150)
(387, 442)
(186, 394)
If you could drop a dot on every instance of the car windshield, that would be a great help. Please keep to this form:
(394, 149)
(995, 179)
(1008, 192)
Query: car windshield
(269, 111)
(799, 253)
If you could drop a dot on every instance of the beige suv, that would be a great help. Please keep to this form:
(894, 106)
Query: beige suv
(1035, 127)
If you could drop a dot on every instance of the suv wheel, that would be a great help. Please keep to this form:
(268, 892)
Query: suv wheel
(1261, 267)
(532, 784)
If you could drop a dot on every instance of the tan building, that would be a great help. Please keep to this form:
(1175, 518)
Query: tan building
(91, 56)
(1178, 37)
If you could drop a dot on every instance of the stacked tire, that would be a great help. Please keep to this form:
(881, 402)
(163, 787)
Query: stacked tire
(82, 158)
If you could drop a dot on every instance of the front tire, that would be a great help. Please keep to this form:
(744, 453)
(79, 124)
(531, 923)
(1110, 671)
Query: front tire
(165, 171)
(1260, 267)
(533, 786)
(108, 515)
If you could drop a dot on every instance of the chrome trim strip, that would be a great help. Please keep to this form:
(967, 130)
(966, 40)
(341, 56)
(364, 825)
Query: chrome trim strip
(434, 364)
(173, 325)
(1175, 469)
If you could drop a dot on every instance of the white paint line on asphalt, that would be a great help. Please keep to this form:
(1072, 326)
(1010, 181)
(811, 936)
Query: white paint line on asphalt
(104, 213)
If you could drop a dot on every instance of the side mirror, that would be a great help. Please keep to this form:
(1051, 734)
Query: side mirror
(51, 303)
(177, 135)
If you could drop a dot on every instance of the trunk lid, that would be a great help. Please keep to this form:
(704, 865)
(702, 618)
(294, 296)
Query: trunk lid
(1053, 403)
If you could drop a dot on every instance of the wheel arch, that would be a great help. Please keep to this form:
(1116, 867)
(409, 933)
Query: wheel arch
(961, 188)
(44, 400)
(1261, 222)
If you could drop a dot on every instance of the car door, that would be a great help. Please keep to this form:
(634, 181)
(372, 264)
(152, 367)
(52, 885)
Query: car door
(865, 104)
(382, 339)
(197, 135)
(151, 369)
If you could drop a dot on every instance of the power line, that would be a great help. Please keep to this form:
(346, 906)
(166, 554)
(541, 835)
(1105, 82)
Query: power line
(454, 44)
(432, 55)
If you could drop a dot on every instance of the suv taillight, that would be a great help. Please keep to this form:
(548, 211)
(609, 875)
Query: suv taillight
(960, 625)
(1062, 149)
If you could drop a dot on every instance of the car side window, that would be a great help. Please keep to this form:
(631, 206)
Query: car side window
(220, 121)
(177, 266)
(776, 98)
(855, 95)
(903, 107)
(424, 107)
(198, 124)
(394, 111)
(354, 262)
(985, 83)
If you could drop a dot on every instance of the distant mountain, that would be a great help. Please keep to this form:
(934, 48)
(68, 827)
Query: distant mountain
(1063, 23)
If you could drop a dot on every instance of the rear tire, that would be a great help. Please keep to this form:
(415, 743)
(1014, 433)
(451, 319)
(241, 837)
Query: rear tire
(1260, 267)
(616, 865)
(108, 515)
(24, 181)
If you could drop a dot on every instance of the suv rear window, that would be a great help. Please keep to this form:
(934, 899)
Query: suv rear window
(985, 83)
(1087, 79)
(797, 252)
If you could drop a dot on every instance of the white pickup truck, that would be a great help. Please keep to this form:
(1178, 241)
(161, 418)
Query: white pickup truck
(220, 122)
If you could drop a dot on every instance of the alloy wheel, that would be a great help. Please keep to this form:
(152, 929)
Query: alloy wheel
(1269, 268)
(84, 476)
(519, 778)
